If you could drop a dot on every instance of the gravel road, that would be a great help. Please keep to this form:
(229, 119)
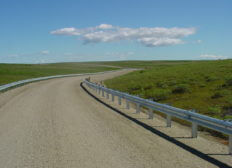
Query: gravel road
(56, 124)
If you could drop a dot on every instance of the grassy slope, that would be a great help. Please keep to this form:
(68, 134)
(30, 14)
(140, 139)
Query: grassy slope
(14, 72)
(205, 86)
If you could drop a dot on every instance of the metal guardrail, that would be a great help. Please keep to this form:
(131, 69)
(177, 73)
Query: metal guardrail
(195, 118)
(22, 82)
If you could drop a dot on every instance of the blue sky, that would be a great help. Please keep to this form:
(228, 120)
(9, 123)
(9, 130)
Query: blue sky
(83, 30)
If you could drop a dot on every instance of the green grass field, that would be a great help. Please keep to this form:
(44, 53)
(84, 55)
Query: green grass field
(205, 86)
(14, 72)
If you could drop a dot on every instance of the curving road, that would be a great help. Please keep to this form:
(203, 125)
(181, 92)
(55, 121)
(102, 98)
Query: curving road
(56, 124)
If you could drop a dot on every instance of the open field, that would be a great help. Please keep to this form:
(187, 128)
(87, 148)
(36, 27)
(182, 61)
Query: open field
(205, 86)
(14, 72)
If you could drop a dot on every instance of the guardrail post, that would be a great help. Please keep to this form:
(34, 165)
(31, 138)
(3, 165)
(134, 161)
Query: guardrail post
(169, 120)
(150, 114)
(137, 108)
(107, 95)
(103, 95)
(194, 130)
(112, 96)
(99, 90)
(119, 100)
(230, 144)
(127, 104)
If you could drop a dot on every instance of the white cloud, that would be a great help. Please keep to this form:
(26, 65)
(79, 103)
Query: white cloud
(105, 26)
(212, 56)
(151, 42)
(45, 52)
(66, 31)
(150, 37)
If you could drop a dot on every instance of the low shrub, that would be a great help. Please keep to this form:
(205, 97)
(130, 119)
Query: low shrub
(157, 94)
(202, 85)
(210, 78)
(227, 110)
(229, 100)
(134, 87)
(219, 87)
(181, 88)
(228, 81)
(148, 87)
(214, 110)
(162, 85)
(172, 82)
(219, 94)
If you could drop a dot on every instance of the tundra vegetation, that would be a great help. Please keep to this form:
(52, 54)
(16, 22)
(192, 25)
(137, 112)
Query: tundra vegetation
(203, 86)
(14, 72)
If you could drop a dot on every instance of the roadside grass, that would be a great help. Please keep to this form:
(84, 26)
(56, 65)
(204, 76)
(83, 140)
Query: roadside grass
(203, 86)
(14, 72)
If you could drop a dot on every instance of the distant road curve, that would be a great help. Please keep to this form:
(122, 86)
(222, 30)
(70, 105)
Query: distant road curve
(55, 124)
